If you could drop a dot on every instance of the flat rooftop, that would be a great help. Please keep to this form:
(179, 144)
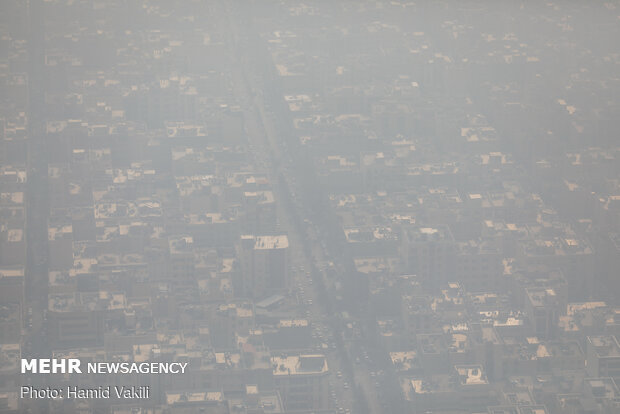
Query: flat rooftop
(269, 242)
(299, 365)
(605, 345)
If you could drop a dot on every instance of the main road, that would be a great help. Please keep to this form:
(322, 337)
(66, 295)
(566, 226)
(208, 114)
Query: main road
(286, 170)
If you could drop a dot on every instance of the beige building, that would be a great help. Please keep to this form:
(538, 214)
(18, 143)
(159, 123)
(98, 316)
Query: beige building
(603, 356)
(264, 265)
(302, 381)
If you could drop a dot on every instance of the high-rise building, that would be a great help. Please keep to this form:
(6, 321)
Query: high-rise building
(302, 381)
(603, 356)
(264, 264)
(429, 253)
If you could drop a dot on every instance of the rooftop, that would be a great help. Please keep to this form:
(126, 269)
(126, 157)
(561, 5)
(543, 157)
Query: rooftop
(471, 374)
(605, 345)
(299, 365)
(268, 242)
(405, 360)
(173, 398)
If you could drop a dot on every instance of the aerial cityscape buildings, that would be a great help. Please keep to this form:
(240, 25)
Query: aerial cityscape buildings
(321, 207)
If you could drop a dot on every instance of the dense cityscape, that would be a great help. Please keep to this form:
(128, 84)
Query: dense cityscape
(319, 207)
